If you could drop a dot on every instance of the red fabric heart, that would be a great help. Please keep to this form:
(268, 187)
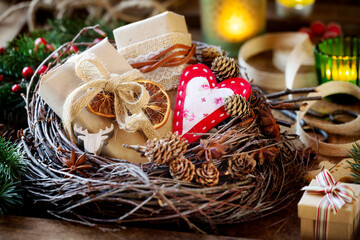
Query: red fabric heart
(199, 102)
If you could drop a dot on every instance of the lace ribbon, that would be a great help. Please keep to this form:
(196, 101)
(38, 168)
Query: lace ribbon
(92, 71)
(336, 195)
(153, 50)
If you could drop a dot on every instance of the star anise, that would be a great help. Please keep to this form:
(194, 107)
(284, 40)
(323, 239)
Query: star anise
(210, 149)
(268, 124)
(266, 154)
(75, 165)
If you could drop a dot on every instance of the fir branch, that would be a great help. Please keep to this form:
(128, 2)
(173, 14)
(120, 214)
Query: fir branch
(12, 165)
(355, 154)
(9, 195)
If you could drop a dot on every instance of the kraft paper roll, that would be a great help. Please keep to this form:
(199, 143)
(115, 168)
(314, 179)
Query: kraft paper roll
(349, 128)
(301, 51)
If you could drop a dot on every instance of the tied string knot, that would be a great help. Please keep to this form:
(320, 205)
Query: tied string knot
(129, 97)
(172, 56)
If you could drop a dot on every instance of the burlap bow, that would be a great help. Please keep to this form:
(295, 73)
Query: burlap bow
(128, 108)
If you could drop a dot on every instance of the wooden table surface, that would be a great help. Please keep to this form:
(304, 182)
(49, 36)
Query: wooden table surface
(281, 225)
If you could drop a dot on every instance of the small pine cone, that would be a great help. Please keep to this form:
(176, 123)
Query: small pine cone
(161, 152)
(207, 175)
(236, 105)
(240, 165)
(182, 169)
(224, 68)
(210, 53)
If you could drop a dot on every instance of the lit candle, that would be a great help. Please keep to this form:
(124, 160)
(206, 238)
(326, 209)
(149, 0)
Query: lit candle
(334, 61)
(292, 8)
(229, 23)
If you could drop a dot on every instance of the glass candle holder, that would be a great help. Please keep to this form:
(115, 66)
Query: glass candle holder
(337, 59)
(294, 8)
(229, 23)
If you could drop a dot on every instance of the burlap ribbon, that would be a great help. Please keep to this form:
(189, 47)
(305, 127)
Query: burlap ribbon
(128, 108)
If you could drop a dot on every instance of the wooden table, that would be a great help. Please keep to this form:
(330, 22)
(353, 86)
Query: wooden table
(281, 225)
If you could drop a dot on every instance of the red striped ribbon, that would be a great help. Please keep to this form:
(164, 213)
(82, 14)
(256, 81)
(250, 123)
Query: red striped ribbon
(336, 195)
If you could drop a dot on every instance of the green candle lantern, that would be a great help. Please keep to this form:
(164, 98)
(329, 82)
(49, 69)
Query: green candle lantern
(337, 59)
(229, 23)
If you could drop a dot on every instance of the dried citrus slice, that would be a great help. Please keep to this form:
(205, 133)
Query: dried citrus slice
(103, 104)
(158, 108)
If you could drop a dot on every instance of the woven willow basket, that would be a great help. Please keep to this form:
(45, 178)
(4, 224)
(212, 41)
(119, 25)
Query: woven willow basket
(119, 192)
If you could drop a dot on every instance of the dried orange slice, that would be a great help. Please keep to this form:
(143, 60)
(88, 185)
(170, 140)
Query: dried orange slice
(103, 105)
(158, 108)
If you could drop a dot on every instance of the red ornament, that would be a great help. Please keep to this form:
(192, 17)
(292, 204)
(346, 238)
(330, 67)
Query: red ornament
(73, 49)
(39, 41)
(42, 69)
(27, 72)
(15, 88)
(1, 78)
(317, 28)
(330, 34)
(308, 31)
(334, 27)
(2, 50)
(200, 100)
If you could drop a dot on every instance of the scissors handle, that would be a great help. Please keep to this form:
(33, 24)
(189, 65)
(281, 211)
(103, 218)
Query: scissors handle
(305, 126)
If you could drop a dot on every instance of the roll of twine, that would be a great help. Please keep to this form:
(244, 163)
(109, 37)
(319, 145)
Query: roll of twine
(290, 51)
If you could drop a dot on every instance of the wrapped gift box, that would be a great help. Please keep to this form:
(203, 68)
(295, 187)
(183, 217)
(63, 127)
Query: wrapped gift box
(342, 225)
(58, 83)
(139, 41)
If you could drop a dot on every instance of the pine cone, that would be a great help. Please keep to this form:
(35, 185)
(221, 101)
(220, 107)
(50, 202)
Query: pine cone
(182, 169)
(207, 175)
(161, 152)
(224, 68)
(236, 105)
(240, 165)
(210, 53)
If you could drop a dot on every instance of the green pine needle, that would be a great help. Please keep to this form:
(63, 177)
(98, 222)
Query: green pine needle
(355, 154)
(9, 195)
(12, 164)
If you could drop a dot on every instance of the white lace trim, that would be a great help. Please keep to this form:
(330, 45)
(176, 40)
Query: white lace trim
(167, 77)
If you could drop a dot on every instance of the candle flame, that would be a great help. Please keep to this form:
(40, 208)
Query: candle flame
(236, 21)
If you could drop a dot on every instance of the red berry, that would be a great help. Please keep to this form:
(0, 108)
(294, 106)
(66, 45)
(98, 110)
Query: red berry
(15, 88)
(27, 72)
(1, 78)
(2, 50)
(39, 41)
(97, 40)
(334, 27)
(42, 69)
(330, 34)
(317, 28)
(50, 47)
(73, 49)
(308, 31)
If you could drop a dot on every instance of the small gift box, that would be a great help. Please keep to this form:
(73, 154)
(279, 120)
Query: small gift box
(159, 47)
(329, 209)
(68, 88)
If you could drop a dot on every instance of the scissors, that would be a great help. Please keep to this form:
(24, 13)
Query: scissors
(334, 116)
(307, 128)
